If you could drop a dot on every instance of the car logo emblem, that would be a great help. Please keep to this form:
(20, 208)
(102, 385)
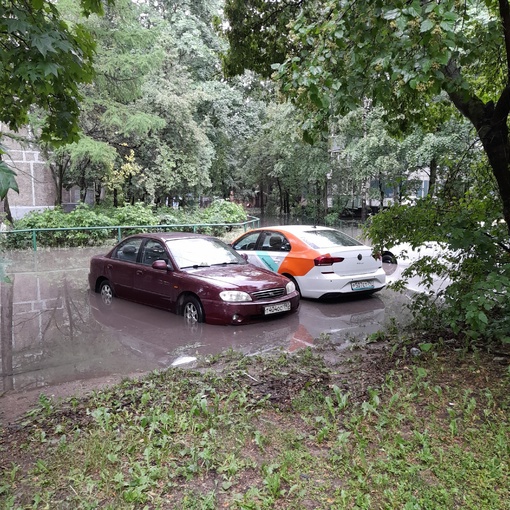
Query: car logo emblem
(360, 256)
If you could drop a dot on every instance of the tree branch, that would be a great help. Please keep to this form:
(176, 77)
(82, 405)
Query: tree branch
(472, 107)
(504, 12)
(503, 106)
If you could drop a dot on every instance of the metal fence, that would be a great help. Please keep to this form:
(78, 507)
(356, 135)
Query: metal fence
(252, 222)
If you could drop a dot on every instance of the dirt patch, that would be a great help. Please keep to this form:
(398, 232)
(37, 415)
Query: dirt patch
(352, 370)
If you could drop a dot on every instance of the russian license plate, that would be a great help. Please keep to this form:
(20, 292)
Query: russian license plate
(280, 307)
(364, 285)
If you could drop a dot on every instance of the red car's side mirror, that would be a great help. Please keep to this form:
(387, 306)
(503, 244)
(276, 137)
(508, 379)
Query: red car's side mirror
(161, 264)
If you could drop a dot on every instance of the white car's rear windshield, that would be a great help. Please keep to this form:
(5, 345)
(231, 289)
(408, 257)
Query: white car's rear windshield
(328, 238)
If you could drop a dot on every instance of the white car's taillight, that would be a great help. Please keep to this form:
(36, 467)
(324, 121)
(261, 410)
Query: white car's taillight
(327, 260)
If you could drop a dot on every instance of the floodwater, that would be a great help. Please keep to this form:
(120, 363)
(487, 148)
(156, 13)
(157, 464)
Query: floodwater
(54, 330)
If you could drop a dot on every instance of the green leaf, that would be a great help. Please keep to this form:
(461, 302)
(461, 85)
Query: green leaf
(426, 26)
(393, 14)
(483, 318)
(7, 180)
(44, 43)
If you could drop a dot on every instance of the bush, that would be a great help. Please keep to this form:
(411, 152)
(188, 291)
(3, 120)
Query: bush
(82, 216)
(475, 305)
(220, 211)
(138, 214)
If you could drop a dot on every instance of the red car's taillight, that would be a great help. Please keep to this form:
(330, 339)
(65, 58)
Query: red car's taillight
(327, 260)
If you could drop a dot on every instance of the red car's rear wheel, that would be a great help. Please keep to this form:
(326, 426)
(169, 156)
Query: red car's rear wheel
(106, 291)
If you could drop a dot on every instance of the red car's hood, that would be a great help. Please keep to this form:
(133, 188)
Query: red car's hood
(240, 277)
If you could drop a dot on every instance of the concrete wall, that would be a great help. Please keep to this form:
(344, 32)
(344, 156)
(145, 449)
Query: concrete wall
(35, 183)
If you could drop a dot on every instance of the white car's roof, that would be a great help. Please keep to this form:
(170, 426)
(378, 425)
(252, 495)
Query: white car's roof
(297, 228)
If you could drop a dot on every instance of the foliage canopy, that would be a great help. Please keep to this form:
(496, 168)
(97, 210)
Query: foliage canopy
(405, 56)
(43, 60)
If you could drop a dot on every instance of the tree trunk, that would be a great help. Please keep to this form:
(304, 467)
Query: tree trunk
(57, 174)
(7, 209)
(432, 177)
(97, 193)
(280, 195)
(58, 198)
(319, 210)
(6, 337)
(490, 122)
(381, 194)
(497, 147)
(261, 197)
(286, 202)
(364, 202)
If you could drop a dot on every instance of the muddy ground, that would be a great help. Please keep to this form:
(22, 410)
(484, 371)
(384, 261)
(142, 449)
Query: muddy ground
(353, 370)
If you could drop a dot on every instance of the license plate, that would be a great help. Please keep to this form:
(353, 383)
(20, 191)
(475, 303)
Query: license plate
(365, 285)
(280, 307)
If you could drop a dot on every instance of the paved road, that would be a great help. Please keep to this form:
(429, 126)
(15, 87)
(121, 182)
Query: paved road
(54, 330)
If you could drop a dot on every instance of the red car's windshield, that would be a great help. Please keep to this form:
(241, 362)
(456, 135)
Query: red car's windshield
(202, 252)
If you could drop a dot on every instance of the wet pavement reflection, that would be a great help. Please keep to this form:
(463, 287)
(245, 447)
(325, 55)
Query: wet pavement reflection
(54, 330)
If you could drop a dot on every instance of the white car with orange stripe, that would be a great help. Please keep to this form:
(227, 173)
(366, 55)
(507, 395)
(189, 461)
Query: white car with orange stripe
(322, 261)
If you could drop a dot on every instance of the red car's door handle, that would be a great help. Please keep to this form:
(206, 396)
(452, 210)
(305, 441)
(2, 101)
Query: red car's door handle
(108, 266)
(139, 272)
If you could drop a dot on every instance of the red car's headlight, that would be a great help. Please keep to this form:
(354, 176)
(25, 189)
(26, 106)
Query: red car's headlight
(234, 296)
(290, 287)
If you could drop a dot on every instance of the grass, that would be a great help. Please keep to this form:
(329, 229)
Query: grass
(285, 432)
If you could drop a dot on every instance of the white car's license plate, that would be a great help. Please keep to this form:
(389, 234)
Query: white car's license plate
(280, 307)
(364, 285)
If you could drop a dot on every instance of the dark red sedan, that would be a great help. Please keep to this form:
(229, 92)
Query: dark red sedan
(194, 275)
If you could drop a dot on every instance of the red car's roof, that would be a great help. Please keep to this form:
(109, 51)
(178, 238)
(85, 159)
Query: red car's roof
(166, 236)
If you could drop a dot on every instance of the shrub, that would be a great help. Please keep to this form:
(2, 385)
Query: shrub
(221, 211)
(138, 214)
(82, 216)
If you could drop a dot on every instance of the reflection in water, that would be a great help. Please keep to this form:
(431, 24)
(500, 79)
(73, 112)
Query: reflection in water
(6, 335)
(54, 330)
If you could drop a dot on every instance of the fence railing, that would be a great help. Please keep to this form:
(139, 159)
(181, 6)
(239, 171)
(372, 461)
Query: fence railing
(252, 222)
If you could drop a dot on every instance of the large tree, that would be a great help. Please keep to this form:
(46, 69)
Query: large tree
(42, 62)
(404, 55)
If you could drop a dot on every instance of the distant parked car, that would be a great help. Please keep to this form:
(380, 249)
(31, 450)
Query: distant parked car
(323, 262)
(197, 276)
(404, 253)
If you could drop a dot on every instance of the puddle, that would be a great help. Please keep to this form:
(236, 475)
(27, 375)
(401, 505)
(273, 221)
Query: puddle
(54, 330)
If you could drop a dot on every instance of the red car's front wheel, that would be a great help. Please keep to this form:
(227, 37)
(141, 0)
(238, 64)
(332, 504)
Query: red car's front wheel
(192, 310)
